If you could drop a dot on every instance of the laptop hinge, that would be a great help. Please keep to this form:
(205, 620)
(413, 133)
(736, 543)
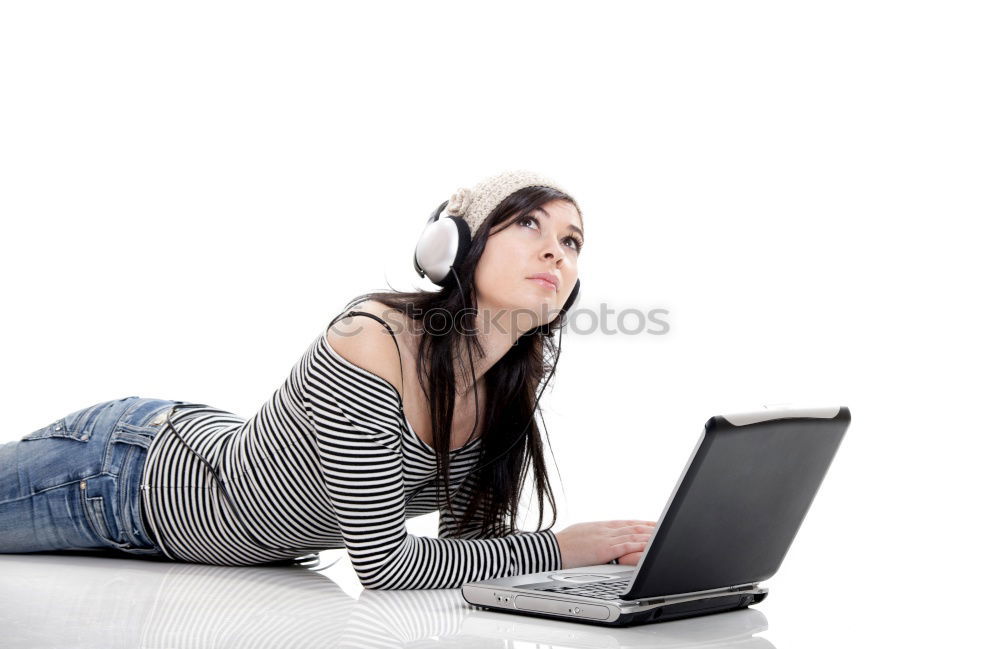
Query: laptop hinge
(703, 594)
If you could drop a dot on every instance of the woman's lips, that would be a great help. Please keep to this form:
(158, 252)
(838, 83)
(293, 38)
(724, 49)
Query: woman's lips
(542, 282)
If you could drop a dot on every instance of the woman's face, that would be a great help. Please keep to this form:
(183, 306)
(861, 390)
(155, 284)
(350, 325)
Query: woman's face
(544, 240)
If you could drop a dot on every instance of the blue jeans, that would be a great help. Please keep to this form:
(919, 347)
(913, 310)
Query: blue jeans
(74, 484)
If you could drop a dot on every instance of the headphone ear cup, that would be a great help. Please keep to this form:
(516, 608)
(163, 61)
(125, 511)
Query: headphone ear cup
(464, 242)
(443, 245)
(431, 219)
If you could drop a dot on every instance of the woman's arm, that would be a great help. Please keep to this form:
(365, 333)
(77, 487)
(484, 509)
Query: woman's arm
(365, 482)
(358, 419)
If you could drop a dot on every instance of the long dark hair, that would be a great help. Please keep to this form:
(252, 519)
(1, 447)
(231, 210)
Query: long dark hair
(511, 384)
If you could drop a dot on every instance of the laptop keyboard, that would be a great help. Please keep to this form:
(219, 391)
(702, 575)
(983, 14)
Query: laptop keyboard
(610, 589)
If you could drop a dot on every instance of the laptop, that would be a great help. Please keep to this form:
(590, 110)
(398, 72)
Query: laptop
(725, 528)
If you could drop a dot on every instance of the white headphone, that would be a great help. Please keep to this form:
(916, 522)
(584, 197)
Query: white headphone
(442, 245)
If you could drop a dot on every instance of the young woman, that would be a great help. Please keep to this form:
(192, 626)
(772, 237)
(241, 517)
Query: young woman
(406, 403)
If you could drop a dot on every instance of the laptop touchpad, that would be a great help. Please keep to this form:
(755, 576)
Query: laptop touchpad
(581, 577)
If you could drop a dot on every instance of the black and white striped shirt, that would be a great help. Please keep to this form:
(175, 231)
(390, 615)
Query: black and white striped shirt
(327, 462)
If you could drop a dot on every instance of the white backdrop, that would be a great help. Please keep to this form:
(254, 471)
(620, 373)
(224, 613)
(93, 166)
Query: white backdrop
(189, 191)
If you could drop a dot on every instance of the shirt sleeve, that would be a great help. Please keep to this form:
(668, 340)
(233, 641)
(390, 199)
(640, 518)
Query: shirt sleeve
(448, 528)
(358, 423)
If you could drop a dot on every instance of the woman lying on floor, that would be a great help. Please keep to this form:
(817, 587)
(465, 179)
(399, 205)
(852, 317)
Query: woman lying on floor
(405, 404)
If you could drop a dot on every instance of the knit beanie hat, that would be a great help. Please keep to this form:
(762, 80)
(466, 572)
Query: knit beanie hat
(475, 204)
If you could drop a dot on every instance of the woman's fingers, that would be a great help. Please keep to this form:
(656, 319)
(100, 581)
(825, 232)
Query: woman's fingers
(636, 543)
(633, 536)
(643, 532)
(626, 523)
(630, 559)
(639, 526)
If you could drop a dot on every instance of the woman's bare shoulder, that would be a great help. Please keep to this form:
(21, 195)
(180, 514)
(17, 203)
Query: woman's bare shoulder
(395, 318)
(364, 342)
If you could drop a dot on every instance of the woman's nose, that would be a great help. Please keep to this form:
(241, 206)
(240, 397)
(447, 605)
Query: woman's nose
(552, 250)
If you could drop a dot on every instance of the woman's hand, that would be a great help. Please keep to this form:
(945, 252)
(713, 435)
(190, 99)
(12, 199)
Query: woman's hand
(591, 544)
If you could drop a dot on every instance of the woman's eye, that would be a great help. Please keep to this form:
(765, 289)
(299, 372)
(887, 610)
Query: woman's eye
(531, 219)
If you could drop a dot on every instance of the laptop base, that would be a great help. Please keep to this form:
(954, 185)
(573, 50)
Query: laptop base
(620, 615)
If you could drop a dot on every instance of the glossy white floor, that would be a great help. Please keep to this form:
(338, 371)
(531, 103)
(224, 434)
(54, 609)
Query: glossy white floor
(61, 600)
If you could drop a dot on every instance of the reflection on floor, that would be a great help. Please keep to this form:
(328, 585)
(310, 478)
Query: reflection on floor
(79, 600)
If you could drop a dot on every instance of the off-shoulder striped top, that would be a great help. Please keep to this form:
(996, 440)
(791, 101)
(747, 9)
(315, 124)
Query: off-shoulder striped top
(327, 462)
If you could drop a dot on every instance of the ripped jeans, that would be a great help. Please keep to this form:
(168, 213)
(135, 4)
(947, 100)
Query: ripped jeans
(74, 484)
